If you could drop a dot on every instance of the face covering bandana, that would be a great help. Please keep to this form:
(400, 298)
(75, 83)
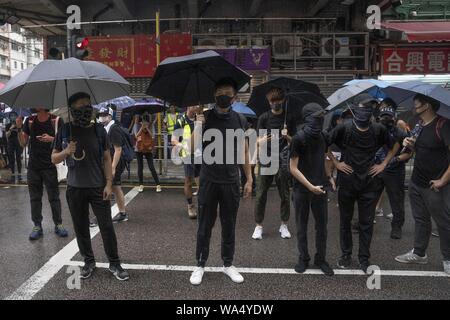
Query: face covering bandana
(82, 117)
(313, 126)
(362, 116)
(223, 101)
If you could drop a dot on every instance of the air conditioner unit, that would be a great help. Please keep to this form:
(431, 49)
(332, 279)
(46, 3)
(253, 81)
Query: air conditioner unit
(211, 42)
(341, 47)
(283, 47)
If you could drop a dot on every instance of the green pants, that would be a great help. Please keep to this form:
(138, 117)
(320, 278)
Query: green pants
(263, 184)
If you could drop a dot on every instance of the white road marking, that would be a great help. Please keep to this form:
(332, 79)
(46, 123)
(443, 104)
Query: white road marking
(38, 280)
(348, 272)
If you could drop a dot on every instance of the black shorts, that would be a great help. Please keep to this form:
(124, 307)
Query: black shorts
(117, 179)
(192, 170)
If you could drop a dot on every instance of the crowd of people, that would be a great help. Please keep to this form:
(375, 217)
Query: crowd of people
(362, 152)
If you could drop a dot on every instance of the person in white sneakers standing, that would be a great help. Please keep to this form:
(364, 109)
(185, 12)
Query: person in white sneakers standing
(219, 180)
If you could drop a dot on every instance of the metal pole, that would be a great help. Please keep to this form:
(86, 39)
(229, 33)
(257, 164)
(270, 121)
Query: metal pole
(69, 43)
(158, 43)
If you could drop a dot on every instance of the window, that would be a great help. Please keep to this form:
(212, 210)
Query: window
(15, 64)
(15, 28)
(14, 46)
(21, 65)
(37, 53)
(3, 62)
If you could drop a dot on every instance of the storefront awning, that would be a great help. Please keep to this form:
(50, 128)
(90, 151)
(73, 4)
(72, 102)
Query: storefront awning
(422, 31)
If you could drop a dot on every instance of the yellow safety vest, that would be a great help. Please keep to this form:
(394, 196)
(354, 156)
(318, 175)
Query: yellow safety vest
(185, 151)
(171, 122)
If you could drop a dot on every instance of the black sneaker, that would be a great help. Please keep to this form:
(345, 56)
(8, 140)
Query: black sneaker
(301, 266)
(325, 267)
(345, 262)
(364, 265)
(121, 217)
(396, 232)
(87, 270)
(118, 272)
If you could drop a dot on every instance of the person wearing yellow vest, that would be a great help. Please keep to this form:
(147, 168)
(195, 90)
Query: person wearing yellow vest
(170, 120)
(191, 171)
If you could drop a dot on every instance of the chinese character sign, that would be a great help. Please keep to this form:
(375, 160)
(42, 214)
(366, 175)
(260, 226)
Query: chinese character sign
(135, 55)
(415, 60)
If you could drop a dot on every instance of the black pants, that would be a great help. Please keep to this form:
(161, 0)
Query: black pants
(366, 193)
(211, 195)
(140, 160)
(79, 200)
(303, 202)
(36, 181)
(427, 204)
(395, 189)
(15, 156)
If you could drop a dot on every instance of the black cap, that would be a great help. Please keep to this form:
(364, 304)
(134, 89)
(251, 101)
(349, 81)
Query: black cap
(389, 111)
(312, 109)
(363, 98)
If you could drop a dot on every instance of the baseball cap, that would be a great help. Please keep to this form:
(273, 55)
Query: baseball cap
(106, 110)
(389, 111)
(363, 98)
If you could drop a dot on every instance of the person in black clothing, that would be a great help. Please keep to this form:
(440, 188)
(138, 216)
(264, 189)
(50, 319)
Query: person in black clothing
(219, 179)
(39, 131)
(273, 121)
(359, 141)
(393, 177)
(429, 187)
(13, 146)
(307, 166)
(84, 145)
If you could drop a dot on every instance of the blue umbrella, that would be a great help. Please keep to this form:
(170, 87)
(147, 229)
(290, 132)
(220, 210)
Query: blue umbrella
(403, 94)
(121, 103)
(376, 91)
(150, 105)
(242, 108)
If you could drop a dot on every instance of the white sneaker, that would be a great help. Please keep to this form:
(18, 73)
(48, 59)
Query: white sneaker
(411, 257)
(141, 188)
(390, 216)
(257, 234)
(379, 212)
(191, 211)
(446, 265)
(158, 188)
(197, 276)
(195, 193)
(285, 234)
(234, 275)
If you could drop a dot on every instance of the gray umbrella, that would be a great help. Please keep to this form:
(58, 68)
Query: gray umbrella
(51, 82)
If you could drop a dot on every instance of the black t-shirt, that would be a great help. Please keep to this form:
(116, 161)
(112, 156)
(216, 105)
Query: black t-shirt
(215, 172)
(311, 162)
(115, 136)
(41, 152)
(268, 120)
(359, 147)
(13, 138)
(432, 154)
(394, 167)
(88, 172)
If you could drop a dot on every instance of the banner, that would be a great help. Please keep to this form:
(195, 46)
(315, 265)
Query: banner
(248, 59)
(135, 55)
(417, 60)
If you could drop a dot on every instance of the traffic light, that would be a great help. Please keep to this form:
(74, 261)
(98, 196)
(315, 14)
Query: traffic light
(79, 46)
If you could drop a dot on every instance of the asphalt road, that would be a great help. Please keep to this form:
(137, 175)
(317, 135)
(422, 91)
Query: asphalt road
(160, 235)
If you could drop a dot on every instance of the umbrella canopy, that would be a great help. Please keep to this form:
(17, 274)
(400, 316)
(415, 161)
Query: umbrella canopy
(403, 94)
(51, 82)
(298, 93)
(242, 108)
(121, 103)
(190, 80)
(151, 105)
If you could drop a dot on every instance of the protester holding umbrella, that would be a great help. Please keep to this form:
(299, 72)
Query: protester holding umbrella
(39, 133)
(359, 140)
(429, 188)
(273, 122)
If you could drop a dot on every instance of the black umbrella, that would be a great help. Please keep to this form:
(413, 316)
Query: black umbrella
(298, 93)
(151, 106)
(189, 80)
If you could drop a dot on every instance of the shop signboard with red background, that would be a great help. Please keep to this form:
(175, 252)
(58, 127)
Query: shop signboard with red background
(135, 55)
(415, 60)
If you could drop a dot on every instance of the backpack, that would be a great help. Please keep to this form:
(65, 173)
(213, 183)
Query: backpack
(439, 126)
(127, 146)
(144, 142)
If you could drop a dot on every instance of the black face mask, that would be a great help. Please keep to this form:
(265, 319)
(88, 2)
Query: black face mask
(387, 121)
(362, 116)
(276, 107)
(313, 126)
(223, 101)
(82, 117)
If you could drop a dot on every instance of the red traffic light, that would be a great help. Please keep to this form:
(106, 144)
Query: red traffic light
(83, 43)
